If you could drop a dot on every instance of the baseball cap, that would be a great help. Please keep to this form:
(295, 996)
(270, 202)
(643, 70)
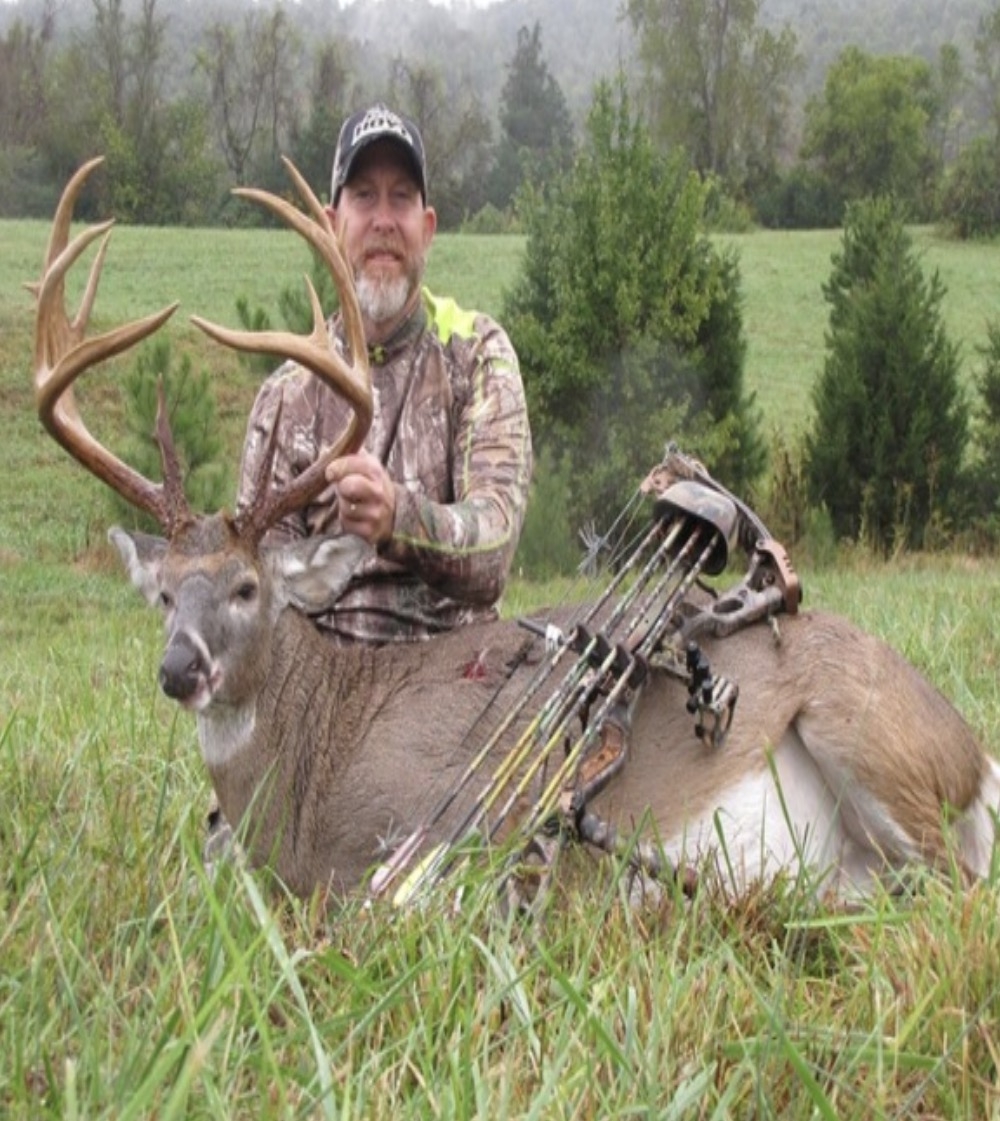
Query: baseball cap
(366, 126)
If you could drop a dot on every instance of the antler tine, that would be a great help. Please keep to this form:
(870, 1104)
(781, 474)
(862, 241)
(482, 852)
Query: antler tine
(62, 353)
(319, 234)
(315, 351)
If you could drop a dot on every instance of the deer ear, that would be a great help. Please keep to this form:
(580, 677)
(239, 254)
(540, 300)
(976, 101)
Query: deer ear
(314, 572)
(142, 555)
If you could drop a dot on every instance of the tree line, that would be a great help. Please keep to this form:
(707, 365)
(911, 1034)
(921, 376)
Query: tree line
(187, 102)
(252, 86)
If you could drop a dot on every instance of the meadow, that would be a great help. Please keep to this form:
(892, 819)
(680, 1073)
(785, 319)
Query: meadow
(131, 986)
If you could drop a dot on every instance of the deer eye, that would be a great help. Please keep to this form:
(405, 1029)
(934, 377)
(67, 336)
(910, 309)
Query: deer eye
(246, 592)
(166, 601)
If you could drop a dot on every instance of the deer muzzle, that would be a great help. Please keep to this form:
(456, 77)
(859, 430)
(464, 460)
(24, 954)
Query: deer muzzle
(184, 671)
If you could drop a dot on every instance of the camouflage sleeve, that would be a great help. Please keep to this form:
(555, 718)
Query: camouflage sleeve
(464, 549)
(285, 388)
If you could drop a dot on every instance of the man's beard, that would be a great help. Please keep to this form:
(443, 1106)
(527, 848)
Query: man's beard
(383, 297)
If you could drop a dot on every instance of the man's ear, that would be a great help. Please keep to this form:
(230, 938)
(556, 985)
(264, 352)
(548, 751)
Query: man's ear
(311, 574)
(142, 554)
(430, 225)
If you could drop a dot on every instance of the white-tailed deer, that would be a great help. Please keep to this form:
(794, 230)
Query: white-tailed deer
(839, 754)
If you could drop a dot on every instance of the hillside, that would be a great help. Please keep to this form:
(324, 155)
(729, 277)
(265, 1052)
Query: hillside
(583, 39)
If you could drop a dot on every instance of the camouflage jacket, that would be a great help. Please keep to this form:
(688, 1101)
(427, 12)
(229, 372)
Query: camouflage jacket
(451, 427)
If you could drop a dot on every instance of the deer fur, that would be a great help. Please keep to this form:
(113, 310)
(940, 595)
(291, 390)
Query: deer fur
(841, 755)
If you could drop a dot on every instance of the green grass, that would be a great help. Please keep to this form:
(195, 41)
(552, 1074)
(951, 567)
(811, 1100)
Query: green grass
(149, 267)
(785, 314)
(132, 987)
(784, 311)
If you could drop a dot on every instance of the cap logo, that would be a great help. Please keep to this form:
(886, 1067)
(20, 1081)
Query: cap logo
(379, 121)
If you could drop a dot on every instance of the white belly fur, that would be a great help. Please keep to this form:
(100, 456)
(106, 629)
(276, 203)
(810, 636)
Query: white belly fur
(784, 816)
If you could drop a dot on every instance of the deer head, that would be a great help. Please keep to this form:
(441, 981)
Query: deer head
(206, 568)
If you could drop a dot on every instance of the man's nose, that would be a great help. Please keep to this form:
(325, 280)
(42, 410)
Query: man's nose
(383, 214)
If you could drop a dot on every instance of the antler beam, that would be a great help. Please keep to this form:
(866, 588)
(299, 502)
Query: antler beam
(62, 353)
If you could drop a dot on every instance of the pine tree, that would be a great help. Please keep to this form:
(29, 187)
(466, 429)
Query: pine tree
(536, 137)
(627, 320)
(885, 449)
(191, 410)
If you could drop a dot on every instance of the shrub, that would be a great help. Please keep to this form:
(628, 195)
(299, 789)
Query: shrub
(26, 189)
(982, 492)
(491, 220)
(803, 199)
(970, 202)
(548, 545)
(723, 212)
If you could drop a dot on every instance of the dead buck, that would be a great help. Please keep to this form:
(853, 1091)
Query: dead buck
(840, 755)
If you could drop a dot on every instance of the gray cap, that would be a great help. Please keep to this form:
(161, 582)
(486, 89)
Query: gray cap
(366, 126)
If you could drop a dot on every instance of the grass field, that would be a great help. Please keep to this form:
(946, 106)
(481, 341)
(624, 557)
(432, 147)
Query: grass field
(130, 987)
(784, 311)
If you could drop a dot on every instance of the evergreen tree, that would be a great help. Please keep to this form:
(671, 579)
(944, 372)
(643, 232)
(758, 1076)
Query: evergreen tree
(627, 321)
(536, 132)
(891, 425)
(983, 491)
(191, 409)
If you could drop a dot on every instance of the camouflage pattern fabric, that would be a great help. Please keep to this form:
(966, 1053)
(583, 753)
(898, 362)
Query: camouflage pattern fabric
(451, 427)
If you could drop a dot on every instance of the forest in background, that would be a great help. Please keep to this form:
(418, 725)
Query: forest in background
(189, 98)
(585, 39)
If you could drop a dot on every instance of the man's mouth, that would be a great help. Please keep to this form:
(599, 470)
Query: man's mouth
(381, 255)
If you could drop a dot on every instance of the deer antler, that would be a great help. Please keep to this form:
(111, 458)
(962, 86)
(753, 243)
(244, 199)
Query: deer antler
(62, 353)
(314, 351)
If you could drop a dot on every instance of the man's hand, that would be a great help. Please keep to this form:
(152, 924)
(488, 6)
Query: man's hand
(366, 497)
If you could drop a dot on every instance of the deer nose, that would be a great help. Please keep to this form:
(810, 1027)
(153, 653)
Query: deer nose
(182, 669)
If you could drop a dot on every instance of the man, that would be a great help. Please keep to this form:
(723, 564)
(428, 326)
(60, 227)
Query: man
(441, 484)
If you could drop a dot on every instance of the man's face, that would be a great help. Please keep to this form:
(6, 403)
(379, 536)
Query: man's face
(386, 231)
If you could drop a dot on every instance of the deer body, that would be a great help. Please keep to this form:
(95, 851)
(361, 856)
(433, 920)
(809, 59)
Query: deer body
(840, 754)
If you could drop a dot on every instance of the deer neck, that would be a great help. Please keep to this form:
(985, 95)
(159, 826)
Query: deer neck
(299, 720)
